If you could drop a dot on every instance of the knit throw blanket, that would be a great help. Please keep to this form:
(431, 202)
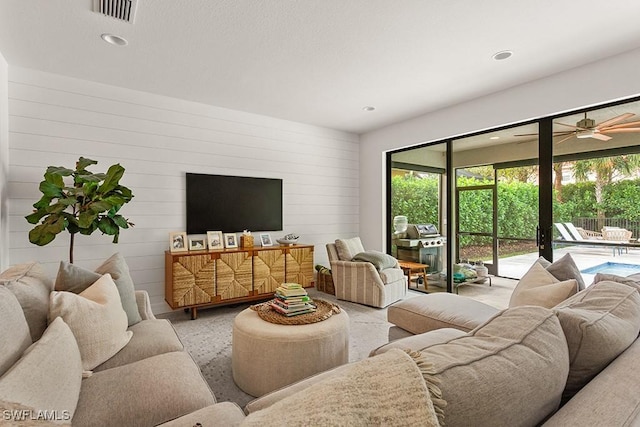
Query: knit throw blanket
(395, 388)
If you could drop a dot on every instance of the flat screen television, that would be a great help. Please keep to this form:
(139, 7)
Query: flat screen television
(233, 203)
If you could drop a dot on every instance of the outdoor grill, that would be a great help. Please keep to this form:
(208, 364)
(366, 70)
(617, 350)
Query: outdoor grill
(421, 243)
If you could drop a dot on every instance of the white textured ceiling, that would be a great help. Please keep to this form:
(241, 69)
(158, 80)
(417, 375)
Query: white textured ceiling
(320, 61)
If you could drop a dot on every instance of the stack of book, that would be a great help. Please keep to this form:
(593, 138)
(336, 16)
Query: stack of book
(291, 299)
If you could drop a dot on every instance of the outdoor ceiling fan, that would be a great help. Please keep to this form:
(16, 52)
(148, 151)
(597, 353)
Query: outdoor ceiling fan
(587, 128)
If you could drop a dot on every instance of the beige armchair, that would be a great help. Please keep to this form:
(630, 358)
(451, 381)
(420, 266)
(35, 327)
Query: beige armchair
(369, 283)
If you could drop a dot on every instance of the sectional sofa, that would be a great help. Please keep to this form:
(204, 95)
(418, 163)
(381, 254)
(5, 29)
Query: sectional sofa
(93, 355)
(575, 363)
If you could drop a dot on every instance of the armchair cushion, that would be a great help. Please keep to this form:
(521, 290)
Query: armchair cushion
(379, 260)
(348, 248)
(390, 275)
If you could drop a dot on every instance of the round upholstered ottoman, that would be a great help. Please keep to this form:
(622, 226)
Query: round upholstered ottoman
(267, 356)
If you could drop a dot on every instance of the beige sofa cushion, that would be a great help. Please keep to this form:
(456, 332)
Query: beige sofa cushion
(96, 318)
(49, 374)
(76, 279)
(630, 280)
(599, 323)
(510, 371)
(144, 393)
(227, 414)
(150, 338)
(439, 310)
(421, 341)
(541, 288)
(610, 399)
(31, 285)
(348, 248)
(14, 330)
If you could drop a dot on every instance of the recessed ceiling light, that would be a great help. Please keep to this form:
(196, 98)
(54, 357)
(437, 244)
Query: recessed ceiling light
(368, 108)
(115, 40)
(494, 137)
(499, 56)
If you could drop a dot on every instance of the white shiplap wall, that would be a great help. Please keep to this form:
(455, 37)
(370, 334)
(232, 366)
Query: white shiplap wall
(55, 119)
(4, 163)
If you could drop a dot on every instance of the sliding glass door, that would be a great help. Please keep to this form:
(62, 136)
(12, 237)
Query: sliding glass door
(597, 189)
(556, 185)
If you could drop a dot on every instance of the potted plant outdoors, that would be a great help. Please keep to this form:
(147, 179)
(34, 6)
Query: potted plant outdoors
(91, 202)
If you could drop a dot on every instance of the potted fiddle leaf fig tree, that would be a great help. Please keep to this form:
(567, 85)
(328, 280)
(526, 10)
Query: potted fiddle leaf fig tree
(86, 203)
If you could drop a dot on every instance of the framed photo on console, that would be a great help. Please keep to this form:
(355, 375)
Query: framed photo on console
(214, 239)
(178, 241)
(197, 244)
(265, 239)
(230, 240)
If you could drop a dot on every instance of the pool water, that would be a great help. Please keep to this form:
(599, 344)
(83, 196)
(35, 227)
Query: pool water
(619, 269)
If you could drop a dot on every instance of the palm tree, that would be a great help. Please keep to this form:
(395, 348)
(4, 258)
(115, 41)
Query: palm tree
(606, 170)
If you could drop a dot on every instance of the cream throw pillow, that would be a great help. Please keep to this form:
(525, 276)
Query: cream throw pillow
(599, 323)
(540, 288)
(48, 376)
(96, 319)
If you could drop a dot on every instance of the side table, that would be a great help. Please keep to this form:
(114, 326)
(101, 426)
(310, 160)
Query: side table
(414, 269)
(267, 356)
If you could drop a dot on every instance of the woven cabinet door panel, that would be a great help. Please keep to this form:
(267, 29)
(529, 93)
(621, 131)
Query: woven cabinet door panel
(234, 275)
(268, 271)
(193, 280)
(299, 266)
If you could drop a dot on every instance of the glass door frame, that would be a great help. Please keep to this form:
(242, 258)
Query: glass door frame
(493, 266)
(544, 235)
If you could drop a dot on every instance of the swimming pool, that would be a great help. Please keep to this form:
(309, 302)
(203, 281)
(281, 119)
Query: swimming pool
(617, 268)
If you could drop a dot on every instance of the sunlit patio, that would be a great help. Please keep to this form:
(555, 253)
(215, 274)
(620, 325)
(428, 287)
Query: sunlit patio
(585, 257)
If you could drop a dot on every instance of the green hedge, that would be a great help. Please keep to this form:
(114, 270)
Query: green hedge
(517, 204)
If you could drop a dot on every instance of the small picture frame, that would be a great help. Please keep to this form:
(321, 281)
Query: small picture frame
(214, 240)
(178, 241)
(230, 240)
(198, 244)
(265, 239)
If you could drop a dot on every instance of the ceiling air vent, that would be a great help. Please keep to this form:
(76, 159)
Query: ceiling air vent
(124, 10)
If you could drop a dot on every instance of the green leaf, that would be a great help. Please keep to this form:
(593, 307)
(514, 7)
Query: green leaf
(83, 163)
(56, 208)
(68, 201)
(43, 202)
(58, 170)
(120, 221)
(35, 217)
(125, 192)
(112, 179)
(50, 190)
(116, 200)
(39, 236)
(55, 179)
(86, 218)
(90, 230)
(108, 226)
(100, 206)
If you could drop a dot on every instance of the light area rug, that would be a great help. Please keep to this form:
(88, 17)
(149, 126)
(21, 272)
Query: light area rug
(208, 339)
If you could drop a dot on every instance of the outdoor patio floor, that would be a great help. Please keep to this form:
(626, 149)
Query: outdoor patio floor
(499, 293)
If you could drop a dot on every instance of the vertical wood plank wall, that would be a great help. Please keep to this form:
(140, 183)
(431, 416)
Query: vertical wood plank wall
(55, 119)
(4, 163)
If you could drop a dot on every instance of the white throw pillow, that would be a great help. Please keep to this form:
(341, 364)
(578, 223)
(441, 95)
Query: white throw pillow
(541, 288)
(48, 376)
(96, 318)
